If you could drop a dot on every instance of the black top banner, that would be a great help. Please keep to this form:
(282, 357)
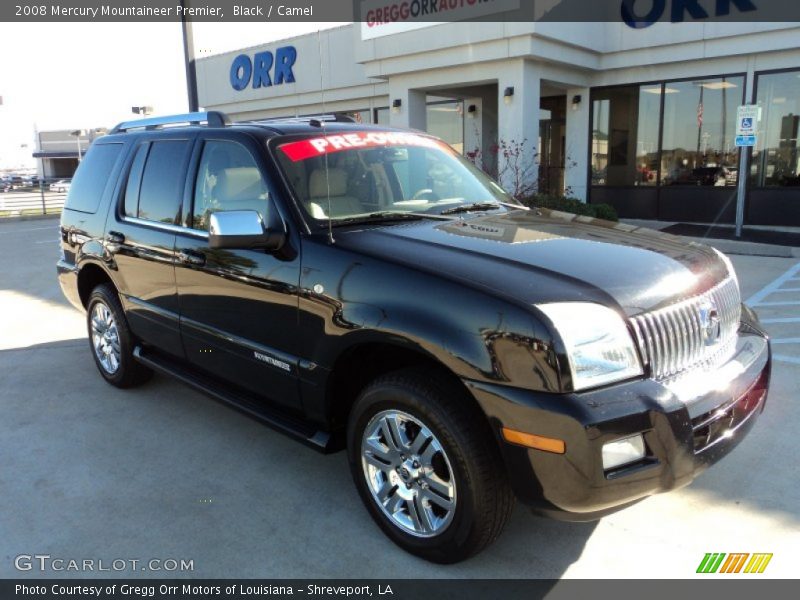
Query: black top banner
(636, 13)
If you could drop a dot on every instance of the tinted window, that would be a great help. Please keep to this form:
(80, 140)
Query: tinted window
(776, 160)
(92, 176)
(134, 181)
(162, 181)
(228, 179)
(625, 136)
(699, 130)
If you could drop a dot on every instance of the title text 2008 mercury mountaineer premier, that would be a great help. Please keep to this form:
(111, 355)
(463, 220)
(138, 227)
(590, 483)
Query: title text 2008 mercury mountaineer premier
(364, 288)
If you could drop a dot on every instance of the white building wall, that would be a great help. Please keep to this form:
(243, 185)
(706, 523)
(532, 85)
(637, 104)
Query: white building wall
(577, 143)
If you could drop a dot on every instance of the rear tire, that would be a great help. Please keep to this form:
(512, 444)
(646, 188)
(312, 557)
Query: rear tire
(426, 466)
(111, 341)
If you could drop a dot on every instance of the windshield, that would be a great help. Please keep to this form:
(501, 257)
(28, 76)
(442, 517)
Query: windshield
(374, 173)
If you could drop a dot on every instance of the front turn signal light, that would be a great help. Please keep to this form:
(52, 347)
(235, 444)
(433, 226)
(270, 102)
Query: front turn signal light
(538, 442)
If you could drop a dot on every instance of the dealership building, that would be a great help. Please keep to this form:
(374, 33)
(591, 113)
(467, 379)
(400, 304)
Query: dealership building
(644, 119)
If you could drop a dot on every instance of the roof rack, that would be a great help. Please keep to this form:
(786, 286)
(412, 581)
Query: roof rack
(212, 118)
(334, 117)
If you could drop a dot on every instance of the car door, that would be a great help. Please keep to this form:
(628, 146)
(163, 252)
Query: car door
(238, 308)
(140, 233)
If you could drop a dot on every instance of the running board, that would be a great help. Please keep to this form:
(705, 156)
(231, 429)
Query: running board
(293, 427)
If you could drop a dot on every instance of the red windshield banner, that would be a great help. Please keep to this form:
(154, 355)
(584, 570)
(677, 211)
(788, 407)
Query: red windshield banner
(320, 146)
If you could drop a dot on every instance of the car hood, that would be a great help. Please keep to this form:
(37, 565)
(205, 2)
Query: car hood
(543, 255)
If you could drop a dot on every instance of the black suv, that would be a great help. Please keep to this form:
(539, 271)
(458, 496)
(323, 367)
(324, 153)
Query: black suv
(363, 288)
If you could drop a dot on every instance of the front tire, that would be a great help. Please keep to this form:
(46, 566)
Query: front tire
(425, 465)
(111, 340)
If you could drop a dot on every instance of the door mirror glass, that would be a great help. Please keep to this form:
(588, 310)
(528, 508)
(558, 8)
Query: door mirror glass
(241, 229)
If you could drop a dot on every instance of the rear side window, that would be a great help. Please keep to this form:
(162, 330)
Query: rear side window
(135, 181)
(161, 190)
(92, 177)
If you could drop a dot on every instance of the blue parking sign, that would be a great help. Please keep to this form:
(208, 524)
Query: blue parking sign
(747, 123)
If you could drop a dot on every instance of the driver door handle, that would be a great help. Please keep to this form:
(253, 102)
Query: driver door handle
(191, 257)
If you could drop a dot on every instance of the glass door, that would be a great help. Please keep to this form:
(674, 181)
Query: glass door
(552, 134)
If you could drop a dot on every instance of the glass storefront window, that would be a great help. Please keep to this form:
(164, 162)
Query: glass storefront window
(776, 160)
(699, 132)
(446, 121)
(625, 135)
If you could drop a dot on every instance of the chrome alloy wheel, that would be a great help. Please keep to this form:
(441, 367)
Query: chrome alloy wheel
(105, 338)
(408, 473)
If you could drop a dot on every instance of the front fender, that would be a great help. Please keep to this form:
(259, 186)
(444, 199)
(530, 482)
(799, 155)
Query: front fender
(475, 334)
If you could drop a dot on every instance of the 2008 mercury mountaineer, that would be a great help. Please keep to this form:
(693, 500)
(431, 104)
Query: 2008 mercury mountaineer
(364, 288)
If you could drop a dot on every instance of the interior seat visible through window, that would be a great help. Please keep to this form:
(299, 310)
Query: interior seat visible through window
(340, 203)
(228, 179)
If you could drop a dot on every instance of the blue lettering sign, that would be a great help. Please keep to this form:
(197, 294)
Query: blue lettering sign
(263, 63)
(284, 61)
(678, 11)
(241, 69)
(632, 19)
(257, 70)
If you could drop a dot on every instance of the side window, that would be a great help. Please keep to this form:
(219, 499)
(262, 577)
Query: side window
(131, 202)
(92, 177)
(227, 179)
(161, 190)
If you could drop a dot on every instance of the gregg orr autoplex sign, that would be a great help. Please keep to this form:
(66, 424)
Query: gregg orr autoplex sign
(387, 17)
(264, 69)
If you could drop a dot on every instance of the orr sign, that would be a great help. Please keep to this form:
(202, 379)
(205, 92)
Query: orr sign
(264, 69)
(644, 13)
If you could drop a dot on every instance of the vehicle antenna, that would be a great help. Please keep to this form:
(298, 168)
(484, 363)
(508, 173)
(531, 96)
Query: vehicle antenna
(322, 124)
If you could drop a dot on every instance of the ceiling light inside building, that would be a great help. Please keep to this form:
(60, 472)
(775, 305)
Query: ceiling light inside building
(718, 85)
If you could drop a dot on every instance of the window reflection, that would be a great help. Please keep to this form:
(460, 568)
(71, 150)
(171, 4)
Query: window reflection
(699, 132)
(625, 136)
(776, 161)
(698, 124)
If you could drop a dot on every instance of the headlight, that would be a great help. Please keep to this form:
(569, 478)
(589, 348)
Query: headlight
(599, 347)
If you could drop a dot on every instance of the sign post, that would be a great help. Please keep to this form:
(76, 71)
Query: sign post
(746, 135)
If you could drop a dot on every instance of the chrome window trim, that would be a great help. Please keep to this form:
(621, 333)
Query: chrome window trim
(165, 226)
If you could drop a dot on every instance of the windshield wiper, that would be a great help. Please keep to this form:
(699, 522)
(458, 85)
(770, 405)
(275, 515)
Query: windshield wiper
(470, 207)
(387, 215)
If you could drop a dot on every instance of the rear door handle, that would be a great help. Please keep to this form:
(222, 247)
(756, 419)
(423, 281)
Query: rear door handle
(190, 257)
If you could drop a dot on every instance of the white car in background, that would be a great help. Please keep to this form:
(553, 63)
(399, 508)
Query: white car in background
(62, 186)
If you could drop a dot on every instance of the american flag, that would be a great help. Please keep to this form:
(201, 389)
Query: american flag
(700, 115)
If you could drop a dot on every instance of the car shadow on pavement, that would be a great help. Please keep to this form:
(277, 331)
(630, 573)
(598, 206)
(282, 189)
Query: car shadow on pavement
(161, 470)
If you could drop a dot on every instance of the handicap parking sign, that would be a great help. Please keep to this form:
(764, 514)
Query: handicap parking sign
(746, 125)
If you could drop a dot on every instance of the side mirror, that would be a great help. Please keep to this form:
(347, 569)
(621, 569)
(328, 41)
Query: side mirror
(242, 229)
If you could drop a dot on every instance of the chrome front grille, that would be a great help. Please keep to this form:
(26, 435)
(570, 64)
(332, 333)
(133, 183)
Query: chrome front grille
(682, 336)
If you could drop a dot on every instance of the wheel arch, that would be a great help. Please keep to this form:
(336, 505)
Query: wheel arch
(366, 360)
(89, 277)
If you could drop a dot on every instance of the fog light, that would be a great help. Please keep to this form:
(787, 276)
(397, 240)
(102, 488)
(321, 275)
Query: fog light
(624, 451)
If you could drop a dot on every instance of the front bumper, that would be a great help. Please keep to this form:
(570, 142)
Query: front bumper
(688, 425)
